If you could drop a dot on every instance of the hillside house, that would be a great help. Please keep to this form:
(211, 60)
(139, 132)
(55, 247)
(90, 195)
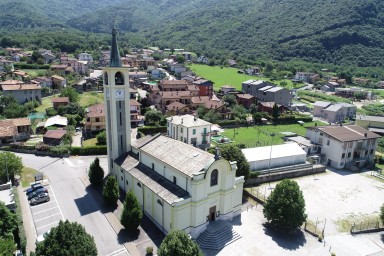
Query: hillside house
(245, 99)
(58, 82)
(86, 57)
(177, 108)
(372, 123)
(54, 137)
(14, 130)
(333, 113)
(267, 107)
(225, 89)
(159, 73)
(22, 92)
(306, 77)
(58, 102)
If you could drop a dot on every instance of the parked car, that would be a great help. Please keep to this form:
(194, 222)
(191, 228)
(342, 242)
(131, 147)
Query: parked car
(34, 187)
(44, 197)
(37, 192)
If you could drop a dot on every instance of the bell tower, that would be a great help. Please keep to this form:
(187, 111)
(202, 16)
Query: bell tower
(117, 105)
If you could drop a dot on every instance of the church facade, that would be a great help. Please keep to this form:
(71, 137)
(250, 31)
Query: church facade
(178, 186)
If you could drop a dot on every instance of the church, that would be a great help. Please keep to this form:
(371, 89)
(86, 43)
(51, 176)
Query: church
(178, 185)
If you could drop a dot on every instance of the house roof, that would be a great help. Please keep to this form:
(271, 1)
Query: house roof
(192, 88)
(60, 66)
(200, 99)
(58, 77)
(188, 121)
(7, 128)
(245, 96)
(20, 87)
(175, 106)
(211, 104)
(227, 87)
(370, 118)
(11, 82)
(334, 108)
(180, 156)
(56, 120)
(60, 99)
(55, 134)
(273, 152)
(323, 104)
(268, 104)
(97, 110)
(200, 81)
(174, 82)
(275, 89)
(160, 186)
(175, 94)
(265, 88)
(134, 103)
(346, 132)
(21, 121)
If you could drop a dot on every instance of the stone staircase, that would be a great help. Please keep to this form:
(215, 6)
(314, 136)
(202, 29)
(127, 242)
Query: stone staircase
(217, 235)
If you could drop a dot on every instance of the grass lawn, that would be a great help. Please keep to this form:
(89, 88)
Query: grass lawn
(258, 136)
(229, 76)
(45, 103)
(27, 176)
(90, 142)
(36, 72)
(90, 98)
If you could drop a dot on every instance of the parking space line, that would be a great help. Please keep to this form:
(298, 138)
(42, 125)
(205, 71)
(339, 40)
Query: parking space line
(47, 217)
(53, 193)
(37, 205)
(46, 210)
(48, 224)
(117, 252)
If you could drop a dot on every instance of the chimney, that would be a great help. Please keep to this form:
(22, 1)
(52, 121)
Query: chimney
(217, 153)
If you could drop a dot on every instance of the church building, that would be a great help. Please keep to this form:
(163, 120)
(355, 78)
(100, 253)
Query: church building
(178, 185)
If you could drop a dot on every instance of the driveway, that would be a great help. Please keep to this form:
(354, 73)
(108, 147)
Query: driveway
(76, 201)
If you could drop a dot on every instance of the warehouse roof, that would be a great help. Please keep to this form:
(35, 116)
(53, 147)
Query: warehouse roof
(272, 152)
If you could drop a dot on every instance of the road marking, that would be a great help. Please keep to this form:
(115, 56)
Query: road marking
(46, 210)
(47, 225)
(68, 162)
(47, 217)
(117, 252)
(53, 193)
(36, 205)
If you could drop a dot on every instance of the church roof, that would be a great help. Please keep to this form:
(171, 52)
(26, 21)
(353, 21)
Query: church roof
(183, 157)
(115, 60)
(160, 186)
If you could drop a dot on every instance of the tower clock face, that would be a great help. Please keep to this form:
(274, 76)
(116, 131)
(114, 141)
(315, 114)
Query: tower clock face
(119, 93)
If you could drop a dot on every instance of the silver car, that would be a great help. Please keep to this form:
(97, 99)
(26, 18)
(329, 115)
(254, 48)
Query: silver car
(44, 197)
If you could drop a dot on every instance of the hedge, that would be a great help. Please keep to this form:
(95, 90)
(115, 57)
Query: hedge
(85, 151)
(21, 238)
(150, 130)
(30, 66)
(232, 122)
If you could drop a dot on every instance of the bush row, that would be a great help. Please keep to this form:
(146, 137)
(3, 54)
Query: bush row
(59, 150)
(85, 151)
(30, 66)
(150, 130)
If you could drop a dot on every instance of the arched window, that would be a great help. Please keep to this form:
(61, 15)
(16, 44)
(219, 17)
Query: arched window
(106, 78)
(119, 78)
(214, 177)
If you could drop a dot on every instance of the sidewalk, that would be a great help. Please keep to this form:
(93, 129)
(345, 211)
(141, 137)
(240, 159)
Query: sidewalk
(29, 226)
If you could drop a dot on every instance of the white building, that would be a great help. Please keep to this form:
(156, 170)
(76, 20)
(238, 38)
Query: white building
(178, 186)
(344, 146)
(189, 129)
(86, 57)
(263, 158)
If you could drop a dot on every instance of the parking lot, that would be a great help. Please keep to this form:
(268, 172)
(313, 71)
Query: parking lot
(46, 215)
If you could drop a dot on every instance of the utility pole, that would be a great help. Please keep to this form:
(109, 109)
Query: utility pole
(6, 168)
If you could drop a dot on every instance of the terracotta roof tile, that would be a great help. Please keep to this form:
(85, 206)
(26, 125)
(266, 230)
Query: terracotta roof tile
(55, 134)
(60, 99)
(97, 110)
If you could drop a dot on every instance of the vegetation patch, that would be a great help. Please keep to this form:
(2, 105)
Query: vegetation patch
(90, 142)
(91, 98)
(27, 176)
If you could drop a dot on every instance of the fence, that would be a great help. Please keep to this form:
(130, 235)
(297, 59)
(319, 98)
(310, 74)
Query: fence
(315, 228)
(367, 226)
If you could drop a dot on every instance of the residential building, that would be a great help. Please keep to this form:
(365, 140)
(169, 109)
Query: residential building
(43, 81)
(6, 64)
(13, 130)
(56, 121)
(205, 87)
(372, 123)
(334, 113)
(86, 57)
(330, 86)
(54, 137)
(225, 89)
(268, 107)
(21, 75)
(187, 56)
(232, 63)
(178, 186)
(177, 108)
(159, 73)
(178, 68)
(22, 92)
(307, 77)
(189, 129)
(348, 146)
(58, 82)
(95, 118)
(135, 113)
(319, 106)
(59, 101)
(48, 56)
(253, 71)
(267, 92)
(245, 99)
(353, 93)
(203, 59)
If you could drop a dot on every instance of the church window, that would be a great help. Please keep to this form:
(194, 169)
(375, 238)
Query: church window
(105, 78)
(153, 166)
(121, 141)
(119, 78)
(194, 131)
(159, 202)
(174, 180)
(138, 184)
(121, 120)
(121, 177)
(119, 104)
(214, 177)
(126, 182)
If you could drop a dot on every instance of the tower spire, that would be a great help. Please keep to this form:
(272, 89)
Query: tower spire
(115, 60)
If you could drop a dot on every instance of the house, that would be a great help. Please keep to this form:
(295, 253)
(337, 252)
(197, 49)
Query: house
(268, 107)
(187, 56)
(54, 137)
(330, 86)
(178, 68)
(251, 86)
(205, 87)
(58, 82)
(225, 89)
(361, 81)
(22, 92)
(304, 143)
(189, 129)
(245, 99)
(13, 130)
(158, 73)
(48, 56)
(85, 57)
(43, 81)
(7, 196)
(21, 75)
(61, 69)
(372, 123)
(6, 65)
(306, 77)
(95, 118)
(232, 63)
(164, 98)
(11, 50)
(136, 118)
(138, 75)
(275, 94)
(334, 113)
(177, 108)
(253, 71)
(59, 101)
(264, 158)
(353, 93)
(178, 186)
(348, 146)
(202, 59)
(56, 121)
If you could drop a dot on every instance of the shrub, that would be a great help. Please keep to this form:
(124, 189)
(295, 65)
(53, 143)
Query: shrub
(102, 138)
(149, 250)
(150, 130)
(132, 213)
(111, 191)
(96, 173)
(86, 151)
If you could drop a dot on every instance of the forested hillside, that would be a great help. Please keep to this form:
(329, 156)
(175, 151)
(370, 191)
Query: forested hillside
(343, 32)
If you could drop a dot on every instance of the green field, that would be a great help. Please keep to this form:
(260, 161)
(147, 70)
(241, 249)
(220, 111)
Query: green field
(90, 98)
(229, 76)
(27, 176)
(36, 72)
(90, 143)
(257, 136)
(45, 103)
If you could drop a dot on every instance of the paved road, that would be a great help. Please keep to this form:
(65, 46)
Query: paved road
(76, 201)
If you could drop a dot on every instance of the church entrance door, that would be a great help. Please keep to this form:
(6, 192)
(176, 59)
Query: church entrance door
(212, 213)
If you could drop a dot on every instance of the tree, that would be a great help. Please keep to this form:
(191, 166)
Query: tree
(153, 117)
(382, 213)
(8, 222)
(212, 116)
(239, 112)
(285, 207)
(230, 100)
(71, 93)
(7, 246)
(72, 109)
(10, 165)
(68, 238)
(275, 111)
(132, 213)
(234, 153)
(178, 243)
(101, 138)
(96, 173)
(111, 191)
